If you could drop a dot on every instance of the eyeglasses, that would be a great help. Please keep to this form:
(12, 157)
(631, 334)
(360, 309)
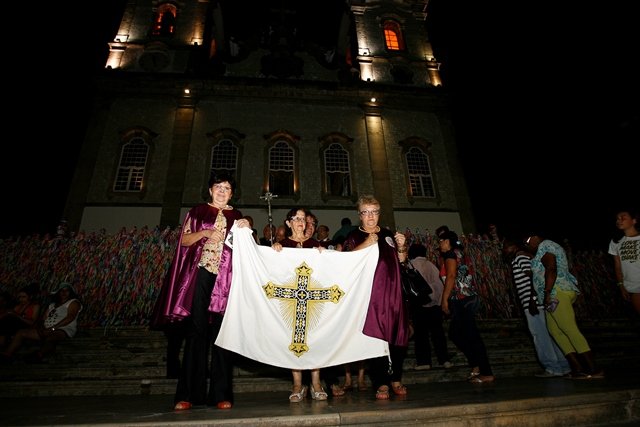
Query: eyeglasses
(222, 188)
(375, 212)
(298, 219)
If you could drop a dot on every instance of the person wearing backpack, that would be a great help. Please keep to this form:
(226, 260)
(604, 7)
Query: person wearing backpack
(460, 301)
(427, 319)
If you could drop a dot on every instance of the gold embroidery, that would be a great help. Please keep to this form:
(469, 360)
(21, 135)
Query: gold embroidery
(211, 252)
(302, 304)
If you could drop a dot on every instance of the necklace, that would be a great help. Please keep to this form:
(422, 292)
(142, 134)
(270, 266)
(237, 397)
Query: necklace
(370, 232)
(299, 240)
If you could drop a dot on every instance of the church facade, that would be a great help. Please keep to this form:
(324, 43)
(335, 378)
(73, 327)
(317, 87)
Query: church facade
(306, 104)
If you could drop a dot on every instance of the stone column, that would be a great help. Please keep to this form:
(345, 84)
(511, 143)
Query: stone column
(379, 163)
(176, 172)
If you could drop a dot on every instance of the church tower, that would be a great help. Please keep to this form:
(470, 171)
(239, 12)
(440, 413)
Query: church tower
(316, 102)
(379, 41)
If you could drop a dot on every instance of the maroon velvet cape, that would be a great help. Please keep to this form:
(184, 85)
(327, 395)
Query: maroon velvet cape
(176, 295)
(387, 315)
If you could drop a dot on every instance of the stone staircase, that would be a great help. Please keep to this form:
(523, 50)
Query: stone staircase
(131, 361)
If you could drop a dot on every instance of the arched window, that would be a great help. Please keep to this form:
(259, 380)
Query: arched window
(282, 164)
(133, 160)
(164, 23)
(224, 157)
(393, 36)
(419, 172)
(336, 177)
(281, 168)
(225, 154)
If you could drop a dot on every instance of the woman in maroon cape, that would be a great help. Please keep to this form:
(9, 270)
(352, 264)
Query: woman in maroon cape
(387, 316)
(195, 291)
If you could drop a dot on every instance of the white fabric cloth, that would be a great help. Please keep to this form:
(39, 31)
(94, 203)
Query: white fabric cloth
(262, 328)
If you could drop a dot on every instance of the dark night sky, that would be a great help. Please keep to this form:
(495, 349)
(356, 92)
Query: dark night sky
(546, 112)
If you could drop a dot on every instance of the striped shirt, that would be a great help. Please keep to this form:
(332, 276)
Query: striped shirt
(521, 269)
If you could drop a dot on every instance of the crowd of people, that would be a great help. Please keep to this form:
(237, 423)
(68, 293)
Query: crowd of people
(28, 322)
(189, 305)
(108, 269)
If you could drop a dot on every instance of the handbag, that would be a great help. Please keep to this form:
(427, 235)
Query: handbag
(414, 286)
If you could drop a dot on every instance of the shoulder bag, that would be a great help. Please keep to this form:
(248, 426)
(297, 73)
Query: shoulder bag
(415, 288)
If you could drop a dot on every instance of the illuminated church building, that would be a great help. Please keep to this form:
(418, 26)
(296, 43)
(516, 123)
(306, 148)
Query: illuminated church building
(315, 102)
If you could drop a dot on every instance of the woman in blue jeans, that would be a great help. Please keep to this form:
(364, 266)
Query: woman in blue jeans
(460, 301)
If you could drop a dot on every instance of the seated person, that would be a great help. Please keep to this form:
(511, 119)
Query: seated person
(58, 323)
(23, 314)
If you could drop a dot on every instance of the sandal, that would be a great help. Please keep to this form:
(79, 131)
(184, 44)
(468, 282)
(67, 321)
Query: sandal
(182, 405)
(382, 393)
(362, 387)
(337, 390)
(399, 390)
(347, 387)
(297, 397)
(318, 395)
(481, 379)
(473, 373)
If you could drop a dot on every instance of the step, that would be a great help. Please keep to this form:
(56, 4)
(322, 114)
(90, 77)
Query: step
(518, 401)
(131, 361)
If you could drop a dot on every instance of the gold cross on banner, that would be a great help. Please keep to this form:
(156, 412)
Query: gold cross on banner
(305, 297)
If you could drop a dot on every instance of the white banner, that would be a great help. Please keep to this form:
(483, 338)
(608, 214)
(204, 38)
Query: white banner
(299, 308)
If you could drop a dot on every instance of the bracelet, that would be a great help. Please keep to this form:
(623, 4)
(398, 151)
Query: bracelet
(620, 283)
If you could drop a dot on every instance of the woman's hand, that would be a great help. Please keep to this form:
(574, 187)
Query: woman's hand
(400, 239)
(276, 247)
(216, 236)
(372, 239)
